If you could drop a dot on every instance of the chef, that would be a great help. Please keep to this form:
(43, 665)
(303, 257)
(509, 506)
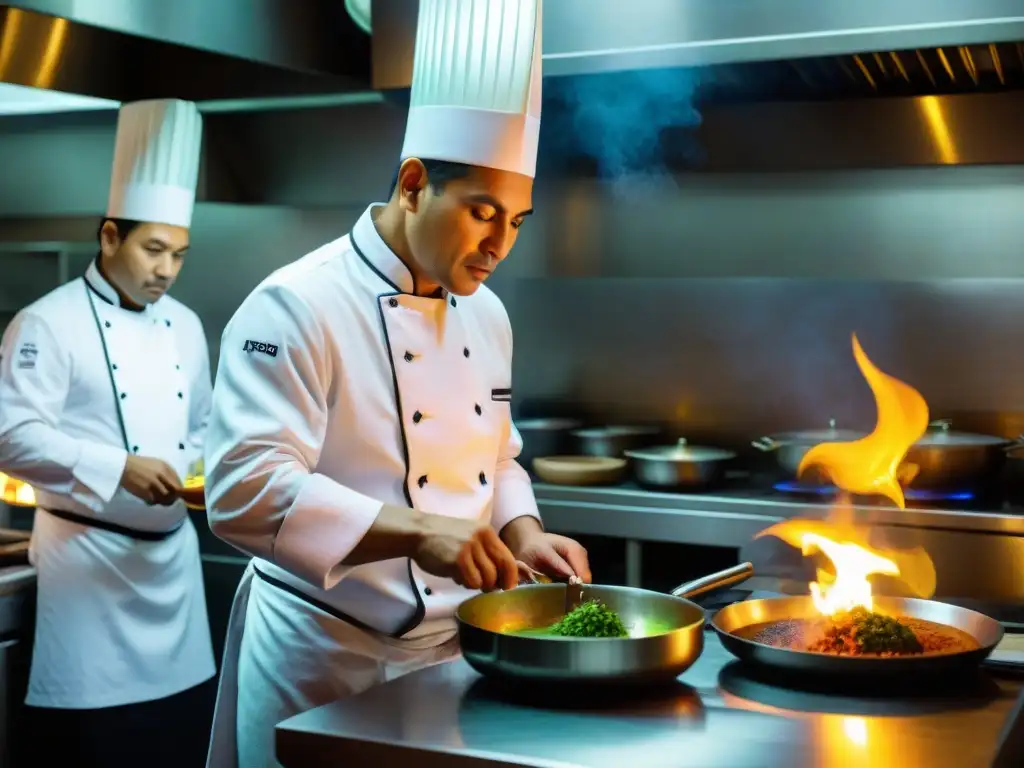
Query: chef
(104, 398)
(360, 445)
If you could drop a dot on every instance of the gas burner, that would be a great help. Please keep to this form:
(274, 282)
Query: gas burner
(911, 494)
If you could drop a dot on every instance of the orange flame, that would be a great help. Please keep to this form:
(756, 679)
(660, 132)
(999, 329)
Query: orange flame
(15, 492)
(871, 465)
(854, 559)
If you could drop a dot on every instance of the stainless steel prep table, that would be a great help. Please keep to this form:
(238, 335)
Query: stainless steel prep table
(447, 716)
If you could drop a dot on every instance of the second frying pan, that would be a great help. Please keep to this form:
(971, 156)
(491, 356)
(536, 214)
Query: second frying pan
(739, 616)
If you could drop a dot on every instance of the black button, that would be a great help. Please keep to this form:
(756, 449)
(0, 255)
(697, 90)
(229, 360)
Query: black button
(181, 446)
(177, 367)
(416, 417)
(483, 479)
(135, 449)
(465, 351)
(454, 304)
(393, 302)
(168, 323)
(180, 396)
(422, 481)
(123, 395)
(114, 366)
(428, 591)
(408, 357)
(106, 324)
(478, 409)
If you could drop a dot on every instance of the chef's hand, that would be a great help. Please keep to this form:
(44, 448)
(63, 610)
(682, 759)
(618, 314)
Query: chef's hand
(555, 556)
(152, 480)
(467, 551)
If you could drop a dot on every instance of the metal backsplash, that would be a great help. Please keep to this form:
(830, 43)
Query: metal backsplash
(723, 305)
(719, 303)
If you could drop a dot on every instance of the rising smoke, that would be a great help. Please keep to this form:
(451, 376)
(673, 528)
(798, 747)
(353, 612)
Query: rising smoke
(617, 120)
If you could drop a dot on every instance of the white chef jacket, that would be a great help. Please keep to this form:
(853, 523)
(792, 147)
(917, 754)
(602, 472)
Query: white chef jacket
(119, 620)
(339, 390)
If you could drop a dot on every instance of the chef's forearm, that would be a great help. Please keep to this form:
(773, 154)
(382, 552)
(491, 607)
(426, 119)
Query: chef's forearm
(47, 459)
(516, 533)
(397, 532)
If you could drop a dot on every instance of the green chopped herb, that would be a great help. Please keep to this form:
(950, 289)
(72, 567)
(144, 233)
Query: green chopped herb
(861, 631)
(591, 619)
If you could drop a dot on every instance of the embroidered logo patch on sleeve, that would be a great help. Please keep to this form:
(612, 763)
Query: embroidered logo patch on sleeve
(261, 347)
(27, 355)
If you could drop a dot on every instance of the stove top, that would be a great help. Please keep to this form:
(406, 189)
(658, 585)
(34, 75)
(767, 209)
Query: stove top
(961, 499)
(767, 487)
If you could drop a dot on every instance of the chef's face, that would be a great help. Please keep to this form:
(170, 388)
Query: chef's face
(145, 262)
(460, 230)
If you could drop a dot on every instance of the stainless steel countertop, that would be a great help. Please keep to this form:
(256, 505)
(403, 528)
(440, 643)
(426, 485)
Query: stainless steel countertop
(715, 718)
(16, 577)
(726, 520)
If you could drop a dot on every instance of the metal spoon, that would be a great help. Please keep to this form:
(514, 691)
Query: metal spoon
(573, 589)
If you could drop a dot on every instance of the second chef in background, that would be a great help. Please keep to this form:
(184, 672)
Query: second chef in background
(104, 397)
(361, 444)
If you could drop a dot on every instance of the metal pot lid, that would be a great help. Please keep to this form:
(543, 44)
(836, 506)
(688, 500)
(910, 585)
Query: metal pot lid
(814, 436)
(682, 452)
(940, 435)
(818, 436)
(552, 424)
(615, 431)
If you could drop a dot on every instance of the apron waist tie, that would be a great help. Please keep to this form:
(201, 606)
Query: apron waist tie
(330, 610)
(106, 525)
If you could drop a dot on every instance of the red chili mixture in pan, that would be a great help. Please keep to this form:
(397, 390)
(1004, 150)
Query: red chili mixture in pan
(861, 633)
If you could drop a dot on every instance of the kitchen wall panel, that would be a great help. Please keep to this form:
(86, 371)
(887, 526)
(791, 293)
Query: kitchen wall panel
(722, 303)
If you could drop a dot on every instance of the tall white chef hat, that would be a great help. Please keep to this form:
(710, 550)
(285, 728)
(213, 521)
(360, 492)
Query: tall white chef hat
(476, 84)
(156, 162)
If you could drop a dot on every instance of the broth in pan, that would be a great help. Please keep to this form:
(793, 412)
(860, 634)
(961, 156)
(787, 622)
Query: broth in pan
(860, 633)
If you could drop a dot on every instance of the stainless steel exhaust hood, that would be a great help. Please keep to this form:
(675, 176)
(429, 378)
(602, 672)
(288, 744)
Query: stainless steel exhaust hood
(191, 49)
(590, 36)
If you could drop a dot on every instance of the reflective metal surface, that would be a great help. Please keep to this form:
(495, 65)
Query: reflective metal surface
(545, 437)
(679, 466)
(943, 459)
(985, 630)
(714, 716)
(222, 50)
(614, 441)
(485, 621)
(587, 36)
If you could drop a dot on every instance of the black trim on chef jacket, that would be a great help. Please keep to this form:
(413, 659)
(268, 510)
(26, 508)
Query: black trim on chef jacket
(330, 610)
(106, 525)
(421, 608)
(92, 522)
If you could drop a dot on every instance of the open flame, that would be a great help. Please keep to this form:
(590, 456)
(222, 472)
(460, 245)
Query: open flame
(849, 588)
(871, 465)
(15, 492)
(853, 560)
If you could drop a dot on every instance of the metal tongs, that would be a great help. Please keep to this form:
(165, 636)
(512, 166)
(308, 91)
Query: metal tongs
(573, 588)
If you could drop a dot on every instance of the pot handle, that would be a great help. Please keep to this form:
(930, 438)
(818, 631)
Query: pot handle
(765, 444)
(727, 578)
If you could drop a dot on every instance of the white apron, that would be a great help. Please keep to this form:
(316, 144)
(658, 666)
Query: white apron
(276, 682)
(120, 620)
